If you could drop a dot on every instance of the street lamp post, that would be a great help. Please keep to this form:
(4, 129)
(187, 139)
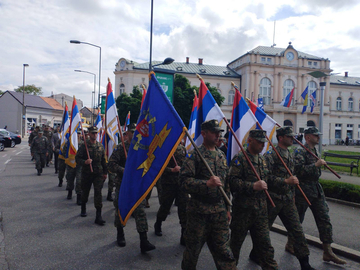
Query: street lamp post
(92, 99)
(23, 103)
(80, 42)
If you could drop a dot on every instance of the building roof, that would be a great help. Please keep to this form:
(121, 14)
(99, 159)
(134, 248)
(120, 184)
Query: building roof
(53, 103)
(345, 80)
(191, 68)
(30, 100)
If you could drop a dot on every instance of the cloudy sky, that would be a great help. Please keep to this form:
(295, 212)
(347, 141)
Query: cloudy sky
(37, 32)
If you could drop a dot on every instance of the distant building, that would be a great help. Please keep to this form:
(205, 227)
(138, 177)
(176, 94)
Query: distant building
(89, 114)
(62, 98)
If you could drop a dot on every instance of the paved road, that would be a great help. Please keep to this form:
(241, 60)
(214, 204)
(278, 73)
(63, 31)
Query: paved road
(43, 230)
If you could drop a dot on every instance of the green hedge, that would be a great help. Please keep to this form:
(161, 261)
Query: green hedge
(341, 191)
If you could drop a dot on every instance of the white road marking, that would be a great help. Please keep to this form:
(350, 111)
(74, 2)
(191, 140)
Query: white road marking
(6, 162)
(5, 155)
(18, 153)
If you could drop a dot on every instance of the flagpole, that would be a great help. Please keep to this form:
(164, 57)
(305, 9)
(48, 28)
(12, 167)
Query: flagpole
(207, 166)
(121, 135)
(87, 151)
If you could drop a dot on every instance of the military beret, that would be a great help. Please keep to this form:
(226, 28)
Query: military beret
(312, 130)
(131, 127)
(211, 125)
(258, 134)
(93, 129)
(40, 130)
(285, 131)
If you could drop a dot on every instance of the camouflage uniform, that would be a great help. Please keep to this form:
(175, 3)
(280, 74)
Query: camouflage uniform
(207, 219)
(48, 134)
(308, 175)
(283, 197)
(117, 165)
(72, 173)
(171, 189)
(32, 135)
(61, 161)
(111, 183)
(97, 154)
(250, 208)
(39, 148)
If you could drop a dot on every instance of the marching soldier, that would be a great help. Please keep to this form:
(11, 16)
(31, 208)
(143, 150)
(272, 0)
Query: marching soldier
(61, 161)
(95, 177)
(32, 135)
(117, 165)
(39, 150)
(48, 134)
(249, 201)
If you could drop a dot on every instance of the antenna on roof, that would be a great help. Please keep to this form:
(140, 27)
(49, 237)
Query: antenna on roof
(273, 45)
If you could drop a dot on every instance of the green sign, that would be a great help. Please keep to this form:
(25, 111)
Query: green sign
(167, 83)
(103, 101)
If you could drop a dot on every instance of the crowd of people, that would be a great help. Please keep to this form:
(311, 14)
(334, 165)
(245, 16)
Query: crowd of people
(200, 183)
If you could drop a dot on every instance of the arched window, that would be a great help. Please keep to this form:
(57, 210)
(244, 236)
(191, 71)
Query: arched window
(288, 123)
(288, 86)
(351, 104)
(122, 88)
(310, 123)
(231, 97)
(265, 90)
(338, 104)
(311, 89)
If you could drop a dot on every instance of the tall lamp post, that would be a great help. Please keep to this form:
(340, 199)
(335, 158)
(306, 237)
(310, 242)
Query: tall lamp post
(92, 100)
(23, 103)
(80, 42)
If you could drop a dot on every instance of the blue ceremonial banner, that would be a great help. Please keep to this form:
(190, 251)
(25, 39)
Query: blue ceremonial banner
(158, 132)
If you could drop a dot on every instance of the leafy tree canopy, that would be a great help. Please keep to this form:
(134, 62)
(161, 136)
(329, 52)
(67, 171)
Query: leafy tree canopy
(30, 89)
(132, 103)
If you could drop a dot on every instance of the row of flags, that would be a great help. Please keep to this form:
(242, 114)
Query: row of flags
(305, 95)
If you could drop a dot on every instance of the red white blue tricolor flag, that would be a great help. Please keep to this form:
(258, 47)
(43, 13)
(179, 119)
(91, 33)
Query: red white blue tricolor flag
(99, 125)
(242, 121)
(313, 100)
(192, 124)
(64, 132)
(287, 101)
(111, 122)
(127, 121)
(73, 138)
(158, 132)
(208, 109)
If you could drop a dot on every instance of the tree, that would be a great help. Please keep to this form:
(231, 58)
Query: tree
(30, 89)
(132, 103)
(1, 92)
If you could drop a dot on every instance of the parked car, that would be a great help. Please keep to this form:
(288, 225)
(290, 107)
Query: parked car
(15, 137)
(2, 143)
(8, 141)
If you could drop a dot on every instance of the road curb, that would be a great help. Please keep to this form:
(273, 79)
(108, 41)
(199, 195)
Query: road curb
(312, 240)
(352, 204)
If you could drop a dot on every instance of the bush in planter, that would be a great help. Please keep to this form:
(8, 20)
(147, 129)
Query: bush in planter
(341, 191)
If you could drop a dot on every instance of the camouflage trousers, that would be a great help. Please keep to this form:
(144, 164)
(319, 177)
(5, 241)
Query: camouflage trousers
(62, 168)
(159, 191)
(170, 192)
(50, 155)
(212, 229)
(287, 212)
(111, 183)
(139, 214)
(320, 212)
(245, 219)
(40, 159)
(92, 179)
(71, 175)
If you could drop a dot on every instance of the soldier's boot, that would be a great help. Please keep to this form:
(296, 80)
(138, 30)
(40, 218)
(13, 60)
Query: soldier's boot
(157, 227)
(109, 196)
(69, 196)
(120, 238)
(38, 172)
(78, 199)
(254, 257)
(145, 245)
(83, 210)
(330, 256)
(98, 219)
(289, 247)
(60, 183)
(182, 237)
(304, 263)
(41, 170)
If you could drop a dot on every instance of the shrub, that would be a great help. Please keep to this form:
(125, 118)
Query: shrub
(341, 191)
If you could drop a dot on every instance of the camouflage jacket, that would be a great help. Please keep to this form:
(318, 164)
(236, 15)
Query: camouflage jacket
(277, 174)
(97, 154)
(307, 172)
(194, 175)
(242, 179)
(117, 161)
(39, 145)
(32, 135)
(48, 134)
(169, 177)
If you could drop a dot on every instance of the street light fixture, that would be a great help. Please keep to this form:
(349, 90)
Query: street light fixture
(23, 103)
(87, 43)
(167, 61)
(92, 99)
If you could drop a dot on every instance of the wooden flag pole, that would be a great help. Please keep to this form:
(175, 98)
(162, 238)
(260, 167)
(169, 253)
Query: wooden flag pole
(87, 151)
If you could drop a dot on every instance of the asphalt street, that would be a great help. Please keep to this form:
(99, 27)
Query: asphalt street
(41, 229)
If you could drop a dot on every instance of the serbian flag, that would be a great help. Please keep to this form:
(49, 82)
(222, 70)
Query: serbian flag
(242, 121)
(267, 123)
(99, 125)
(304, 95)
(159, 131)
(208, 109)
(111, 122)
(73, 138)
(64, 132)
(192, 124)
(260, 103)
(313, 100)
(287, 101)
(127, 121)
(143, 97)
